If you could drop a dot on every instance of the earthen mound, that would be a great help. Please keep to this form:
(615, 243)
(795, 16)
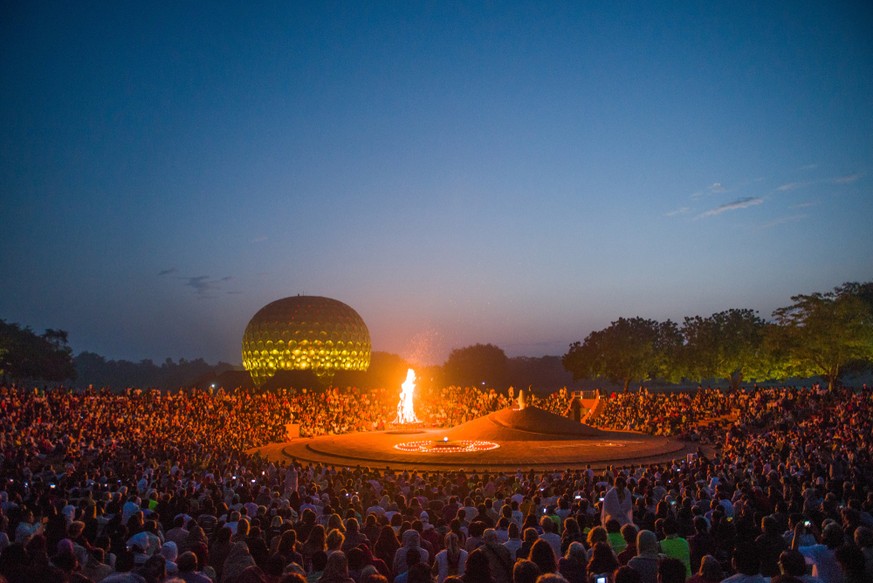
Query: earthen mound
(528, 424)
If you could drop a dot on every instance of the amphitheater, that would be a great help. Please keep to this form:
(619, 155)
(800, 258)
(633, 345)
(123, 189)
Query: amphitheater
(503, 441)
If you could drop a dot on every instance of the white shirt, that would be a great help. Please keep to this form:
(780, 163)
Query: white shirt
(614, 507)
(441, 563)
(513, 545)
(824, 563)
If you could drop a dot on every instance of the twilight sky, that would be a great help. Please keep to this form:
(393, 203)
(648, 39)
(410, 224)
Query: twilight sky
(512, 173)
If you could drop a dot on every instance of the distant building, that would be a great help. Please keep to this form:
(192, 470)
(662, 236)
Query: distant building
(303, 333)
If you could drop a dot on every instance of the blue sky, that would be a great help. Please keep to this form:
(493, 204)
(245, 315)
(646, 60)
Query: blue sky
(512, 173)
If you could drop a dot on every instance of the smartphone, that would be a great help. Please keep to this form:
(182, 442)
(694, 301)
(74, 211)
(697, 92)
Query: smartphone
(807, 523)
(600, 579)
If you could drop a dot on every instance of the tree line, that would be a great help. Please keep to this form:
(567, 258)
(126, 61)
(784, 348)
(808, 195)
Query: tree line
(818, 334)
(28, 357)
(25, 354)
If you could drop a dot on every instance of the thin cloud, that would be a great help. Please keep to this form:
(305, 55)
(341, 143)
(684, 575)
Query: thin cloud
(714, 188)
(783, 220)
(732, 206)
(790, 186)
(683, 210)
(848, 179)
(204, 286)
(167, 271)
(803, 205)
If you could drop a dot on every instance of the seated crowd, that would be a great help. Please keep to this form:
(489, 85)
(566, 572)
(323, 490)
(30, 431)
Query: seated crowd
(156, 487)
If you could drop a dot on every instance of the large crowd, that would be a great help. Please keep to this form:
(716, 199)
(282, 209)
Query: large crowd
(157, 487)
(667, 413)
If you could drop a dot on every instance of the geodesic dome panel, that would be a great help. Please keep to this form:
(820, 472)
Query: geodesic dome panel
(305, 333)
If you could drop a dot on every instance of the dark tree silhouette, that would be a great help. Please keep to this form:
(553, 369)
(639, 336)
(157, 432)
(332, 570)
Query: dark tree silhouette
(629, 349)
(26, 355)
(480, 365)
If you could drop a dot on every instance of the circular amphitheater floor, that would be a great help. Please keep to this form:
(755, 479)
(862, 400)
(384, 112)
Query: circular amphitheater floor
(527, 439)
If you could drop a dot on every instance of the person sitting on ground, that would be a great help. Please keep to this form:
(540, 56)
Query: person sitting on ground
(851, 561)
(499, 559)
(319, 563)
(514, 541)
(530, 537)
(701, 542)
(675, 546)
(647, 559)
(864, 539)
(746, 562)
(573, 566)
(614, 536)
(603, 561)
(770, 545)
(792, 569)
(336, 570)
(598, 534)
(625, 574)
(189, 569)
(671, 570)
(629, 534)
(541, 553)
(451, 560)
(477, 570)
(525, 571)
(411, 540)
(549, 535)
(822, 556)
(709, 572)
(334, 541)
(413, 558)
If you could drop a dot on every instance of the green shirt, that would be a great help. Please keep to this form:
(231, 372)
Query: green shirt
(616, 541)
(676, 547)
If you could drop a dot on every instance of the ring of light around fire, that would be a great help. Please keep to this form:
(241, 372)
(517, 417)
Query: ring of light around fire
(445, 446)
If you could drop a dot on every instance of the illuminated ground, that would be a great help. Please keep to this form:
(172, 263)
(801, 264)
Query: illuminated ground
(529, 438)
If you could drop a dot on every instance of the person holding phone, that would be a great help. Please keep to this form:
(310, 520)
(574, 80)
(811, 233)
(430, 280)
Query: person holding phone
(823, 555)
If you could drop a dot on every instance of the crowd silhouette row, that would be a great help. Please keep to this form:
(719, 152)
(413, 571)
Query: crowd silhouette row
(151, 486)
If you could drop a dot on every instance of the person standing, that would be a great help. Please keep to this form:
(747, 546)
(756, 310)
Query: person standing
(618, 504)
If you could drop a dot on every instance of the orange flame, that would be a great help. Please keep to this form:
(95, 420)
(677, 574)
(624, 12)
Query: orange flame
(405, 412)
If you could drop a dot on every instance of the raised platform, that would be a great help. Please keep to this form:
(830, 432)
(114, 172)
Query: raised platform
(528, 439)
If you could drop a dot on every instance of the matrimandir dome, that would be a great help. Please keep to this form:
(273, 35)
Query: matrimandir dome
(305, 333)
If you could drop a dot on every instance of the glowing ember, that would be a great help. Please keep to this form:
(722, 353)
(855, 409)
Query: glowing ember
(405, 412)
